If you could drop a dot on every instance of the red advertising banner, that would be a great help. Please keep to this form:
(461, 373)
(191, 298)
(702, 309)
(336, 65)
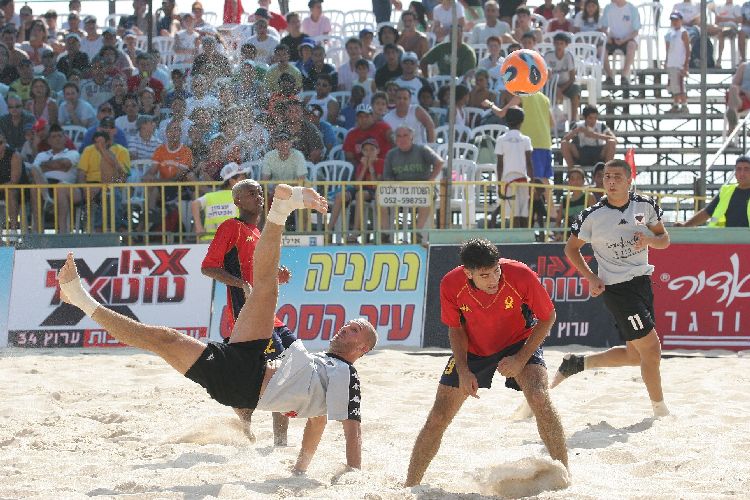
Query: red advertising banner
(702, 296)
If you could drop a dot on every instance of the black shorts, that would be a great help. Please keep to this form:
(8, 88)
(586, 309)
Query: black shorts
(612, 47)
(484, 367)
(632, 305)
(588, 156)
(281, 338)
(232, 374)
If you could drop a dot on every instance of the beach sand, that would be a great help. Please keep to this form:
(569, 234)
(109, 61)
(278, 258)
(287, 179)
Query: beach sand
(81, 423)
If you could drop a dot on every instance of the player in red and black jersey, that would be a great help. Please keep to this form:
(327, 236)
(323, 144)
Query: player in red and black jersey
(498, 314)
(230, 261)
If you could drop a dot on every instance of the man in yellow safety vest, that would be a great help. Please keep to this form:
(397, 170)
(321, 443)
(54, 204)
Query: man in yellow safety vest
(217, 206)
(731, 208)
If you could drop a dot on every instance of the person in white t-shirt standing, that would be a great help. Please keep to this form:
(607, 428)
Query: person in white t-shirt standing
(622, 22)
(677, 63)
(513, 150)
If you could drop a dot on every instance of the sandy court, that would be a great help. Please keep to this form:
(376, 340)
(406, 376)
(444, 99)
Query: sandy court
(77, 423)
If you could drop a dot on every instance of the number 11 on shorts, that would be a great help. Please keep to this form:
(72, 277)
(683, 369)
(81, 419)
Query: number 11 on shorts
(636, 322)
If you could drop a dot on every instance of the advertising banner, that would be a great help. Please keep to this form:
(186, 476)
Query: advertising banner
(158, 285)
(331, 285)
(702, 302)
(581, 319)
(6, 275)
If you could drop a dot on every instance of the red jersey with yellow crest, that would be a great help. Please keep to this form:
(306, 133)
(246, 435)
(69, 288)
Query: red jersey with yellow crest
(495, 321)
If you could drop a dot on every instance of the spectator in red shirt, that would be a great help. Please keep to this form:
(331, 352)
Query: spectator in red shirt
(275, 20)
(498, 315)
(144, 79)
(367, 128)
(230, 261)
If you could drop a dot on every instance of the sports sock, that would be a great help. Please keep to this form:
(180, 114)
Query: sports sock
(585, 362)
(280, 209)
(79, 297)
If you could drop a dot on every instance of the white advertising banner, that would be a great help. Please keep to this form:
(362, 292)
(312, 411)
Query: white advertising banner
(157, 285)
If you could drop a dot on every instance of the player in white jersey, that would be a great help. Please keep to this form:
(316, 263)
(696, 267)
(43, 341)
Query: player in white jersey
(620, 228)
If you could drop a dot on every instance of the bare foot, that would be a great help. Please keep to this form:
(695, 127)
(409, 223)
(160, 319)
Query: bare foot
(68, 273)
(249, 434)
(310, 197)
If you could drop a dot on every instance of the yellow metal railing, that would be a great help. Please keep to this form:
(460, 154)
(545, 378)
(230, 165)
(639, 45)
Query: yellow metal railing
(141, 213)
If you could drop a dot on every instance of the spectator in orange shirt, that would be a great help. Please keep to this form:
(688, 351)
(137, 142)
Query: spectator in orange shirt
(173, 162)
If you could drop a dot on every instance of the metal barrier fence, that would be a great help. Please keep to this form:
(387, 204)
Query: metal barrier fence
(365, 212)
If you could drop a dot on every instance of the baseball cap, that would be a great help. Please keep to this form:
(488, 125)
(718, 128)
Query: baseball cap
(366, 31)
(73, 35)
(364, 108)
(675, 15)
(107, 122)
(74, 15)
(409, 56)
(89, 19)
(370, 141)
(307, 42)
(230, 170)
(28, 126)
(129, 33)
(109, 30)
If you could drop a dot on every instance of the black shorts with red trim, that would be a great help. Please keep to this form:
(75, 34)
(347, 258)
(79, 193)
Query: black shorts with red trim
(484, 367)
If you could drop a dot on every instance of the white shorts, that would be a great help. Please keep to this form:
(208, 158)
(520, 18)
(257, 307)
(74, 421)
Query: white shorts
(676, 84)
(517, 199)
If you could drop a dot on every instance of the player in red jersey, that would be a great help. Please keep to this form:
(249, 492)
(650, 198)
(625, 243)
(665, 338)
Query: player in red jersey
(498, 314)
(230, 261)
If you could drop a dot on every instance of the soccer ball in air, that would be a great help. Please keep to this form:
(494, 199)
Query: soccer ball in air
(524, 72)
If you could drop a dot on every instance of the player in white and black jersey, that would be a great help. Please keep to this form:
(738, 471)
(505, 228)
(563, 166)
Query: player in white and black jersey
(620, 228)
(237, 374)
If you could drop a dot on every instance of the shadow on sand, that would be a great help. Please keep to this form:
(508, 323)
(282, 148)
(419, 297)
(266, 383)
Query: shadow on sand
(602, 434)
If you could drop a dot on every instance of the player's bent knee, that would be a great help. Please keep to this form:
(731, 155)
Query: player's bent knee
(537, 398)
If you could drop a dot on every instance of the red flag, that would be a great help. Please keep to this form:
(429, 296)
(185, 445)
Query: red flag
(232, 11)
(630, 160)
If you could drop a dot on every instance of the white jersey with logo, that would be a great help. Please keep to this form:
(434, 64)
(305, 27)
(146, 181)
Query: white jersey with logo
(611, 232)
(311, 385)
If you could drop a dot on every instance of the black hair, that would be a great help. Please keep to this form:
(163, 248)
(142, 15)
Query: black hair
(561, 36)
(599, 166)
(98, 134)
(588, 110)
(743, 159)
(385, 28)
(619, 163)
(56, 128)
(514, 117)
(478, 253)
(362, 63)
(513, 47)
(420, 11)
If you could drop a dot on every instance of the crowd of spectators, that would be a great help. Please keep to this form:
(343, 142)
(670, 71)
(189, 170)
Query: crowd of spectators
(84, 100)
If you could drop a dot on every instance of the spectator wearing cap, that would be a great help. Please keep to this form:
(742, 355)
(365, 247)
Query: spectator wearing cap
(186, 41)
(281, 67)
(57, 165)
(316, 23)
(123, 62)
(411, 39)
(316, 67)
(144, 143)
(387, 35)
(391, 69)
(147, 104)
(13, 124)
(92, 43)
(74, 59)
(315, 115)
(97, 89)
(410, 75)
(264, 43)
(129, 48)
(37, 42)
(211, 63)
(145, 77)
(325, 100)
(74, 110)
(217, 206)
(54, 78)
(561, 62)
(294, 36)
(22, 85)
(369, 168)
(168, 19)
(40, 103)
(440, 54)
(283, 163)
(305, 56)
(366, 128)
(408, 113)
(347, 72)
(305, 136)
(105, 123)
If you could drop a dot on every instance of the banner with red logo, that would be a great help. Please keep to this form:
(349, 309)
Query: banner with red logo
(702, 296)
(158, 285)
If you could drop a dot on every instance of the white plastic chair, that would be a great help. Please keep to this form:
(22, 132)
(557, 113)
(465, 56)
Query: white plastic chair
(438, 81)
(342, 97)
(538, 21)
(335, 55)
(543, 48)
(252, 169)
(462, 133)
(333, 171)
(595, 38)
(138, 169)
(480, 49)
(461, 151)
(75, 133)
(473, 115)
(336, 153)
(648, 35)
(112, 20)
(493, 131)
(329, 41)
(360, 16)
(340, 133)
(211, 18)
(351, 29)
(165, 46)
(463, 197)
(438, 115)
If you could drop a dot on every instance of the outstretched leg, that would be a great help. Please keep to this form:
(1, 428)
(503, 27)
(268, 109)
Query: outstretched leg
(256, 318)
(179, 350)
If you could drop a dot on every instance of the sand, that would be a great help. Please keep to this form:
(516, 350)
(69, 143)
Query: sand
(76, 424)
